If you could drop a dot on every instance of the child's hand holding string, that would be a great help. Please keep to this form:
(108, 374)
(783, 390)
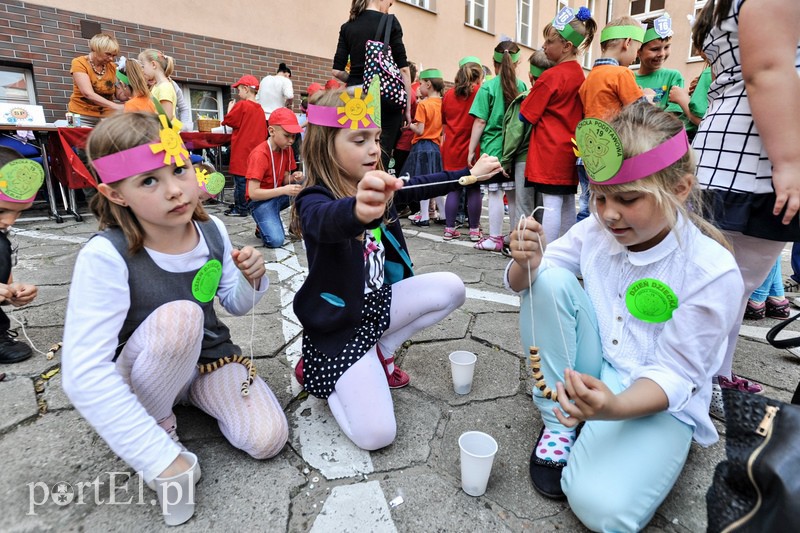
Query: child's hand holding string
(527, 243)
(374, 190)
(583, 397)
(251, 263)
(7, 293)
(486, 167)
(23, 293)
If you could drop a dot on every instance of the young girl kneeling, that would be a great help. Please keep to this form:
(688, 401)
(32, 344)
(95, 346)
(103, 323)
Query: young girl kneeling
(140, 315)
(633, 352)
(353, 318)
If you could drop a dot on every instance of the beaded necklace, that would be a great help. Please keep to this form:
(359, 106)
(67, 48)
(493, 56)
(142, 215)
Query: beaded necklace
(91, 63)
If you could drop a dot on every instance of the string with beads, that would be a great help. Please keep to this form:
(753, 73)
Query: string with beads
(533, 355)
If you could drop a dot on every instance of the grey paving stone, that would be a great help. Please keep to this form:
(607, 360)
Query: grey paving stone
(18, 400)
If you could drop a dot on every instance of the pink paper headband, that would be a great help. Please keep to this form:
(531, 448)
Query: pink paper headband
(355, 112)
(168, 150)
(652, 161)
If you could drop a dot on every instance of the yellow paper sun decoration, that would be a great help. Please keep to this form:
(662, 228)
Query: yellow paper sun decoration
(171, 143)
(355, 109)
(202, 176)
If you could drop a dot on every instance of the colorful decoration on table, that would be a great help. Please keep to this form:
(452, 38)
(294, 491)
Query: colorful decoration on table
(651, 300)
(20, 180)
(212, 183)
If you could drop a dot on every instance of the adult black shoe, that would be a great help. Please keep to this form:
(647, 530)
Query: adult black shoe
(421, 223)
(12, 351)
(546, 475)
(234, 213)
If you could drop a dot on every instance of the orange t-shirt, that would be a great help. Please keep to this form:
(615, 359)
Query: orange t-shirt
(103, 86)
(607, 89)
(429, 112)
(140, 103)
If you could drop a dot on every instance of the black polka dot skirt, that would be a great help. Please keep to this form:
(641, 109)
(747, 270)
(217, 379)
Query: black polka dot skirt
(321, 372)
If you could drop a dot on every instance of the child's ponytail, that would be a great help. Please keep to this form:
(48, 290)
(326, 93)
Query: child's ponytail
(585, 25)
(151, 54)
(467, 76)
(169, 69)
(508, 73)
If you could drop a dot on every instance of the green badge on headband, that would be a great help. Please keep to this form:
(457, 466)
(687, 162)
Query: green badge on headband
(20, 179)
(600, 148)
(375, 91)
(206, 281)
(216, 182)
(651, 300)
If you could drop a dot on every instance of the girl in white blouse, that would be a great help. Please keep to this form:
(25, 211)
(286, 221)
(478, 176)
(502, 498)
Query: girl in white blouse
(632, 352)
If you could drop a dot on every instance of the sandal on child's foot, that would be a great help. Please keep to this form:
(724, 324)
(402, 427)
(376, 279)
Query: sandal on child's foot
(492, 244)
(777, 308)
(546, 474)
(450, 234)
(754, 310)
(475, 235)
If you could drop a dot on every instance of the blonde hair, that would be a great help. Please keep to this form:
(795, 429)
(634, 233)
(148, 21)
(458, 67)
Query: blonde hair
(467, 76)
(136, 77)
(163, 61)
(321, 163)
(642, 126)
(114, 134)
(103, 43)
(508, 72)
(624, 20)
(586, 28)
(539, 59)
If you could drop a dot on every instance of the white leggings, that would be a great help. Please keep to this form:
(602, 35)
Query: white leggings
(361, 402)
(496, 210)
(159, 363)
(559, 215)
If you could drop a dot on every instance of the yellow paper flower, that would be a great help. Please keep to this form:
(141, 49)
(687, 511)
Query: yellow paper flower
(355, 109)
(202, 176)
(171, 143)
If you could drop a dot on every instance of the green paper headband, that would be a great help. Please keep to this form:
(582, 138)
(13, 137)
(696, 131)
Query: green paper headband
(430, 73)
(662, 29)
(570, 35)
(468, 59)
(20, 180)
(536, 71)
(636, 33)
(498, 56)
(123, 78)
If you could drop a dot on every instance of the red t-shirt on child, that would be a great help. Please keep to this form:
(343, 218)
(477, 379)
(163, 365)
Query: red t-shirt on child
(263, 160)
(457, 129)
(249, 129)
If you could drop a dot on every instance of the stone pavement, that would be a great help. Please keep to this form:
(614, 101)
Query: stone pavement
(320, 482)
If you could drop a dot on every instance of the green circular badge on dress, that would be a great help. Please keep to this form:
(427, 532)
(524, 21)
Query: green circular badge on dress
(20, 179)
(206, 281)
(651, 300)
(215, 184)
(600, 148)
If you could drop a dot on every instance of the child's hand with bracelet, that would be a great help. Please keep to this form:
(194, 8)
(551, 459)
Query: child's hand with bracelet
(251, 263)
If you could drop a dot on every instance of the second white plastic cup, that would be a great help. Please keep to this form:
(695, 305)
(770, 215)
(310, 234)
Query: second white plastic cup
(176, 494)
(462, 366)
(477, 456)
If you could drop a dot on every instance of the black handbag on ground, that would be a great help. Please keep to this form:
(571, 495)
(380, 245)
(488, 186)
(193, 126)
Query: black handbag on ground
(758, 487)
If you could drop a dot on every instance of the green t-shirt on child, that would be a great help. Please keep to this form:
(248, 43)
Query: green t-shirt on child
(661, 81)
(488, 105)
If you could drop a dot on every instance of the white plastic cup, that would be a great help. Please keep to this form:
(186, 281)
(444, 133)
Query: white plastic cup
(176, 493)
(477, 456)
(462, 366)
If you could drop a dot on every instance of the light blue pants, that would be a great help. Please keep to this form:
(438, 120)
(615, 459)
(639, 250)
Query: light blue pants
(618, 472)
(772, 286)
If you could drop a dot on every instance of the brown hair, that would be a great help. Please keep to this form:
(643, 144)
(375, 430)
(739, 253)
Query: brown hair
(707, 19)
(318, 151)
(357, 7)
(624, 20)
(136, 77)
(642, 126)
(437, 84)
(467, 76)
(539, 59)
(117, 133)
(587, 28)
(650, 24)
(508, 74)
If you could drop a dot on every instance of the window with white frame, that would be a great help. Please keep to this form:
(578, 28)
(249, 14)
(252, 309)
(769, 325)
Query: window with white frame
(476, 13)
(525, 22)
(694, 53)
(204, 100)
(16, 85)
(430, 5)
(644, 7)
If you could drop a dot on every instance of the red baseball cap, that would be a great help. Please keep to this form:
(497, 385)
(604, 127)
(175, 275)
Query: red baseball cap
(250, 81)
(314, 87)
(284, 118)
(333, 83)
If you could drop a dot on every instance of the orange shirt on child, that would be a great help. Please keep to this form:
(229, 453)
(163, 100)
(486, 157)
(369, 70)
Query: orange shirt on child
(429, 112)
(607, 89)
(140, 103)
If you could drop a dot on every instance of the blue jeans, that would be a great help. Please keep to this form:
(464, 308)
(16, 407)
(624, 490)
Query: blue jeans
(619, 471)
(239, 198)
(267, 214)
(772, 286)
(583, 200)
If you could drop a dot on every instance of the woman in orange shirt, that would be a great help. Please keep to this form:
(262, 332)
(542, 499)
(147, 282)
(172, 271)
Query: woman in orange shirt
(94, 78)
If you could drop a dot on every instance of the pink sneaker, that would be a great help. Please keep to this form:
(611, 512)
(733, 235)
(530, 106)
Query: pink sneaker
(739, 383)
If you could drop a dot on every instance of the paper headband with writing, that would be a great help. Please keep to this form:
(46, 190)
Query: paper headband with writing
(430, 73)
(498, 56)
(662, 29)
(601, 150)
(168, 150)
(468, 59)
(622, 32)
(19, 180)
(355, 113)
(562, 26)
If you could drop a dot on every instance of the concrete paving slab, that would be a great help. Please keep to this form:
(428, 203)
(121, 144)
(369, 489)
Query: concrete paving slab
(500, 329)
(353, 508)
(454, 326)
(19, 402)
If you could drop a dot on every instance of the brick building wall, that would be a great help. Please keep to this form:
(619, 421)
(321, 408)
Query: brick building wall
(46, 40)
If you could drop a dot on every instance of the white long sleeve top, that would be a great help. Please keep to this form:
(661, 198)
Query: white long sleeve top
(682, 354)
(98, 303)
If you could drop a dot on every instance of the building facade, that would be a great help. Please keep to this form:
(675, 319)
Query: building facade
(213, 46)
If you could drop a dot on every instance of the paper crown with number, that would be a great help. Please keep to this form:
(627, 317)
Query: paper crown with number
(564, 17)
(662, 29)
(601, 150)
(167, 150)
(20, 180)
(355, 113)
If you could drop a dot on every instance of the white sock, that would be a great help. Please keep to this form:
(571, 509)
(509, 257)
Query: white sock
(555, 445)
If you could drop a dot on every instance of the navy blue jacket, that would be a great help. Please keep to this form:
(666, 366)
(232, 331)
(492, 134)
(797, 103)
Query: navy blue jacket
(329, 303)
